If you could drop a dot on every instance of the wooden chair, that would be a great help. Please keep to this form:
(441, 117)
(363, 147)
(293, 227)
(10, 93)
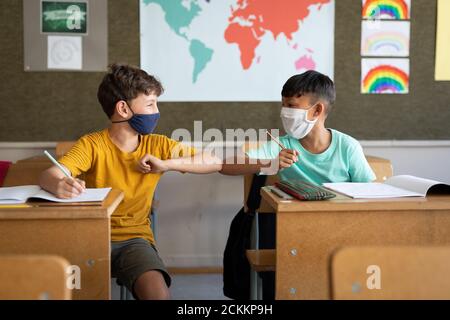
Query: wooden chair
(33, 277)
(23, 173)
(404, 273)
(63, 147)
(381, 167)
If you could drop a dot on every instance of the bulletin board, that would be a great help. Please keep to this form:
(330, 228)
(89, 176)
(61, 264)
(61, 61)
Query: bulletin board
(53, 106)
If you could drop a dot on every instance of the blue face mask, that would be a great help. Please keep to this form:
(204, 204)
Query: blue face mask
(142, 123)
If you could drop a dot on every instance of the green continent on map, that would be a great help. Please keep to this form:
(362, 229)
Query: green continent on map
(201, 54)
(177, 16)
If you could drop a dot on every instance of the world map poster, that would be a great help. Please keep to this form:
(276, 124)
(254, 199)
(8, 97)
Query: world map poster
(234, 50)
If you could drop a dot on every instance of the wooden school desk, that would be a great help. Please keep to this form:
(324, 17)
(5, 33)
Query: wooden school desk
(79, 233)
(309, 232)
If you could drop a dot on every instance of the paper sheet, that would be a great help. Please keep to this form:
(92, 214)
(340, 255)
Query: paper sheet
(385, 76)
(385, 38)
(64, 52)
(370, 190)
(442, 71)
(89, 195)
(20, 194)
(386, 9)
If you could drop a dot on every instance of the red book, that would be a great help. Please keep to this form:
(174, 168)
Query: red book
(4, 166)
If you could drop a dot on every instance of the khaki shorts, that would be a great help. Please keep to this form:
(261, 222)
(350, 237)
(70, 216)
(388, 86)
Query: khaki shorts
(131, 258)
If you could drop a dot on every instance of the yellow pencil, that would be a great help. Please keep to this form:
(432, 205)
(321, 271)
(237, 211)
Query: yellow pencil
(4, 206)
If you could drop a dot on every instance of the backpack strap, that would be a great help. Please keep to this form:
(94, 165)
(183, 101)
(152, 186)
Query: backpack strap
(254, 196)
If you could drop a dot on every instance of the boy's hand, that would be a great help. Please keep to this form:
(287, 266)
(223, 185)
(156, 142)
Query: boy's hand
(151, 164)
(287, 158)
(69, 187)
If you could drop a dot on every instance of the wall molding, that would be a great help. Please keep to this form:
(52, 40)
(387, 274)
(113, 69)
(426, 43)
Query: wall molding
(230, 144)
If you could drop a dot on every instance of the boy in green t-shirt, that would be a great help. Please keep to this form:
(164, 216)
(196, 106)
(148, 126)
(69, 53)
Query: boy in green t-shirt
(313, 152)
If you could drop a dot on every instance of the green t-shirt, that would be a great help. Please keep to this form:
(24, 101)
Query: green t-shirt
(343, 161)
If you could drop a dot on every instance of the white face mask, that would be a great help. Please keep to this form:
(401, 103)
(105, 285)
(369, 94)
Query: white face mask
(296, 123)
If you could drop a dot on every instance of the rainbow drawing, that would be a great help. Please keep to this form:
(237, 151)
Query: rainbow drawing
(386, 9)
(385, 77)
(390, 39)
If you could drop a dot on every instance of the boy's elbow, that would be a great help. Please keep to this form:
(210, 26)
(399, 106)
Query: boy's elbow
(214, 162)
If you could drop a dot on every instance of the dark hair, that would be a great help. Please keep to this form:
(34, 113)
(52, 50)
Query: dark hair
(125, 82)
(314, 83)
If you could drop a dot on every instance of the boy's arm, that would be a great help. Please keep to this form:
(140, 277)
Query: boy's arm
(54, 181)
(204, 163)
(242, 165)
(200, 163)
(77, 160)
(359, 168)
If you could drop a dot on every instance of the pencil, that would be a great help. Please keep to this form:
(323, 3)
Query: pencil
(274, 139)
(57, 163)
(12, 206)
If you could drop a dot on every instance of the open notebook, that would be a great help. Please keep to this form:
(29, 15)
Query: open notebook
(22, 194)
(397, 186)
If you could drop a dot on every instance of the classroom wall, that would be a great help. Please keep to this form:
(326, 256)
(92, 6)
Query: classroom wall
(53, 106)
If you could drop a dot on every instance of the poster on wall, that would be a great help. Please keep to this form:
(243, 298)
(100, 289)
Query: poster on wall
(232, 50)
(385, 38)
(384, 76)
(442, 72)
(386, 9)
(64, 17)
(64, 52)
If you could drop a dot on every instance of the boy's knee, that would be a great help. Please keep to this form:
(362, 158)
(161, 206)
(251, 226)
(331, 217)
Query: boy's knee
(151, 293)
(151, 286)
(163, 294)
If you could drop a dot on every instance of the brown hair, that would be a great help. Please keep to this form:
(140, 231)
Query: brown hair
(125, 82)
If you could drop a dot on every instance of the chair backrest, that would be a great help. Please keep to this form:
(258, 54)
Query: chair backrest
(23, 173)
(381, 167)
(62, 147)
(390, 273)
(33, 277)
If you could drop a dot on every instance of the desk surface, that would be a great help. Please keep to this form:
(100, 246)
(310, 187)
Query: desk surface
(344, 203)
(54, 210)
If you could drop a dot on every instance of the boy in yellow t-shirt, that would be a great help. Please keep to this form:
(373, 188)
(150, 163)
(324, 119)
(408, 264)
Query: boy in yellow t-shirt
(128, 157)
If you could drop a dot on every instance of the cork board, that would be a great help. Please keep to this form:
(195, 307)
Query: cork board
(40, 106)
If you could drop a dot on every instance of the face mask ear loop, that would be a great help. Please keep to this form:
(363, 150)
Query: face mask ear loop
(126, 119)
(311, 121)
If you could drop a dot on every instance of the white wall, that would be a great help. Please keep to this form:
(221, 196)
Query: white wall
(196, 210)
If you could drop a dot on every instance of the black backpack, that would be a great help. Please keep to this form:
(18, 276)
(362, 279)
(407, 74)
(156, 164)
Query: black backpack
(236, 268)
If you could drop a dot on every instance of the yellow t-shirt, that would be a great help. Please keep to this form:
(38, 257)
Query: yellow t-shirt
(105, 165)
